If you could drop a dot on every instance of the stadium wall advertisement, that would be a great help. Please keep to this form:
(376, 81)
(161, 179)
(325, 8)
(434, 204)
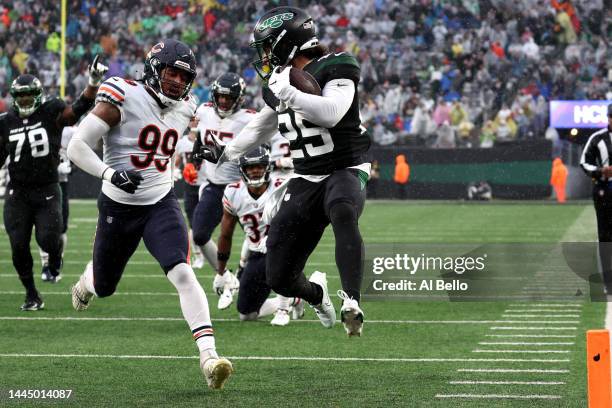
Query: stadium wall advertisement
(515, 170)
(579, 114)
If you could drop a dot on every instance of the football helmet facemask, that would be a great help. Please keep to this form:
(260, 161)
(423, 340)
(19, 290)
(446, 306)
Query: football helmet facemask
(278, 35)
(170, 69)
(255, 167)
(27, 93)
(228, 94)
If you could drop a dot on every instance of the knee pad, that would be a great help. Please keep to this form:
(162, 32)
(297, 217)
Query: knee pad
(182, 276)
(201, 237)
(104, 289)
(248, 317)
(342, 212)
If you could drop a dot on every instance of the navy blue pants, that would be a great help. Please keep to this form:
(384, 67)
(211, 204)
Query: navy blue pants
(208, 213)
(191, 198)
(120, 228)
(253, 290)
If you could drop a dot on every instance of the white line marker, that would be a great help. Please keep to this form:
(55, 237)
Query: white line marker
(534, 336)
(531, 328)
(522, 351)
(523, 343)
(498, 396)
(273, 358)
(513, 370)
(540, 310)
(234, 320)
(539, 315)
(509, 382)
(578, 305)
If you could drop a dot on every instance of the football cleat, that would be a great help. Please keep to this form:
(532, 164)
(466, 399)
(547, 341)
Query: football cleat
(216, 371)
(198, 262)
(297, 310)
(48, 275)
(33, 303)
(325, 310)
(80, 295)
(351, 315)
(281, 318)
(226, 298)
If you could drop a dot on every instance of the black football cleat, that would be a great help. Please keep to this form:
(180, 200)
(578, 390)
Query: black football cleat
(32, 304)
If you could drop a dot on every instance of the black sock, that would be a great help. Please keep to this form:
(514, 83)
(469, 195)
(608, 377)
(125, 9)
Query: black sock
(349, 248)
(28, 284)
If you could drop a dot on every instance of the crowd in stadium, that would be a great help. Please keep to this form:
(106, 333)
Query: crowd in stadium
(430, 69)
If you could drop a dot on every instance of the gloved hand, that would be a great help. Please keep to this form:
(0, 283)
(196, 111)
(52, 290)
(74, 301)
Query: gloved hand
(211, 153)
(97, 71)
(127, 180)
(64, 168)
(190, 174)
(227, 280)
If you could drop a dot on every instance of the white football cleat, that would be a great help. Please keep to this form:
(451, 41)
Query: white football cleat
(297, 311)
(226, 298)
(216, 371)
(351, 315)
(80, 295)
(325, 310)
(281, 318)
(198, 262)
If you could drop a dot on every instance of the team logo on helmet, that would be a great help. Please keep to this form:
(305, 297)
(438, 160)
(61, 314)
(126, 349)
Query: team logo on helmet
(275, 21)
(157, 48)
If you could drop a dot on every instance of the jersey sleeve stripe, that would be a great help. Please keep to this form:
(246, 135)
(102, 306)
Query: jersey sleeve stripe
(115, 87)
(104, 89)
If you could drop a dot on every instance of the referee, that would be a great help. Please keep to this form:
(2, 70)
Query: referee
(595, 161)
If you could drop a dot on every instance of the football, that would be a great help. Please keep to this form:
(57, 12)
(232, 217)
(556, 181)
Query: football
(303, 81)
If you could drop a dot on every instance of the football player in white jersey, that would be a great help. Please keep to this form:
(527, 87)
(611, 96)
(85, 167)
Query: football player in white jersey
(193, 180)
(243, 202)
(140, 123)
(280, 156)
(63, 171)
(219, 120)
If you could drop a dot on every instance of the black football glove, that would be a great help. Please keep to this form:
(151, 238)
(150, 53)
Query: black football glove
(127, 180)
(210, 153)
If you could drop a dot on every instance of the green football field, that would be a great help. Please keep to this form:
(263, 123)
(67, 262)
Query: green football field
(134, 349)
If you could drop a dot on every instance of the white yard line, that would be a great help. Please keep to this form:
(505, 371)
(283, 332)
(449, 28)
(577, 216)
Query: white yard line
(234, 320)
(273, 358)
(513, 370)
(536, 305)
(525, 343)
(518, 315)
(498, 396)
(533, 336)
(522, 351)
(488, 382)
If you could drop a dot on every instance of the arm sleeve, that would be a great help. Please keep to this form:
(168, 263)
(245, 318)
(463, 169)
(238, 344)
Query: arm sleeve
(588, 161)
(258, 131)
(4, 151)
(80, 148)
(329, 108)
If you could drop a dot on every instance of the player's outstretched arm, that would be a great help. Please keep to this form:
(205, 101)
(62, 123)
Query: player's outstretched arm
(80, 149)
(258, 131)
(224, 245)
(72, 113)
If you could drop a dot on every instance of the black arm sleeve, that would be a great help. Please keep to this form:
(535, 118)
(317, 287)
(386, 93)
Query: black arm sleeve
(4, 151)
(82, 105)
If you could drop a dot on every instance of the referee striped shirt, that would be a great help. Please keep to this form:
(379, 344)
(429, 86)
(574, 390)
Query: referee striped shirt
(596, 154)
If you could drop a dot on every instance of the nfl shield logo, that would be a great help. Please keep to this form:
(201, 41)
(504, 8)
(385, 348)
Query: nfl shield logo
(109, 220)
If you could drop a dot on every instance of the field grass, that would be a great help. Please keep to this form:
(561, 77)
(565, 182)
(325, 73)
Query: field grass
(416, 354)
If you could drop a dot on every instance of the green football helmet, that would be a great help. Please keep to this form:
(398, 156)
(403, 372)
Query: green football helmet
(27, 93)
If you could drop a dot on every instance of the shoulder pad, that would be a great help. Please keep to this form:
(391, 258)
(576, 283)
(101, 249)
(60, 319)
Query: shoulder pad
(111, 91)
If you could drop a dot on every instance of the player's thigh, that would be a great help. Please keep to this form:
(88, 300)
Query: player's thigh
(191, 201)
(118, 234)
(48, 214)
(165, 233)
(344, 186)
(208, 212)
(18, 217)
(295, 230)
(253, 290)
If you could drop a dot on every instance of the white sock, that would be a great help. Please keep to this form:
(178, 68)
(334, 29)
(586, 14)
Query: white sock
(89, 278)
(269, 307)
(64, 242)
(209, 250)
(44, 257)
(196, 249)
(284, 302)
(194, 306)
(244, 253)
